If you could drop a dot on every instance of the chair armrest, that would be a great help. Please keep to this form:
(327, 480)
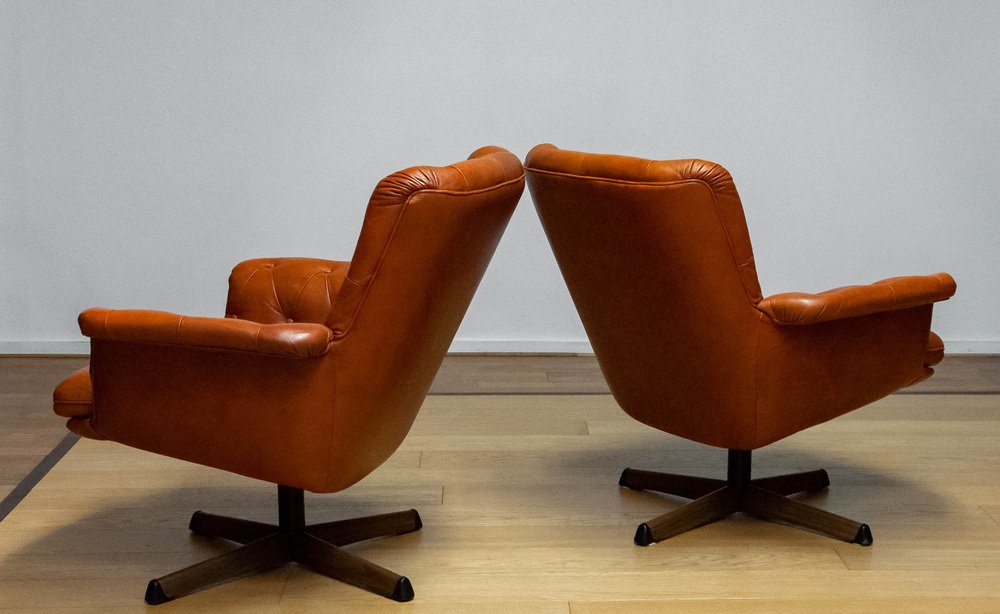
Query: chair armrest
(797, 308)
(299, 340)
(277, 290)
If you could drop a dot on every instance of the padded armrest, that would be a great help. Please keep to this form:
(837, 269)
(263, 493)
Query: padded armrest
(302, 340)
(854, 301)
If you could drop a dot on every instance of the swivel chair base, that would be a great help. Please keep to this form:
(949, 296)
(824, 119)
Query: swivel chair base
(268, 547)
(765, 498)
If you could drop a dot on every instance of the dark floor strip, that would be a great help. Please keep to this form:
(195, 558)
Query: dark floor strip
(24, 487)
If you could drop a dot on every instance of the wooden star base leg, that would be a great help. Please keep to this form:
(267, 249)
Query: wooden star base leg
(765, 498)
(266, 547)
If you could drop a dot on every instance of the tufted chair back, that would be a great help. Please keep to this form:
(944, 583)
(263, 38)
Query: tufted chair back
(393, 310)
(657, 258)
(427, 237)
(671, 269)
(284, 290)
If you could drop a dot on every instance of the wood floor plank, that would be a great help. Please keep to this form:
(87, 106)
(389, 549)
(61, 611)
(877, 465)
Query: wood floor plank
(898, 554)
(993, 511)
(846, 605)
(432, 606)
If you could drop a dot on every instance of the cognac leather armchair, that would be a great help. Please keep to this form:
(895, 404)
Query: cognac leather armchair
(657, 258)
(314, 376)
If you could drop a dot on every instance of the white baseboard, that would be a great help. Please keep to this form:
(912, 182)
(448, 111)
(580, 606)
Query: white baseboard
(45, 347)
(971, 347)
(519, 346)
(470, 346)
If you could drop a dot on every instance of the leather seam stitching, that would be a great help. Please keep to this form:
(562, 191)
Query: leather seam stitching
(617, 181)
(298, 297)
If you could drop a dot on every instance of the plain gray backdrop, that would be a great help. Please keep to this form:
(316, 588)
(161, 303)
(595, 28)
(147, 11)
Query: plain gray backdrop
(147, 147)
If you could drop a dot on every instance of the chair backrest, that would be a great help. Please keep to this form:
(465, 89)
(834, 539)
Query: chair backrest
(427, 237)
(657, 258)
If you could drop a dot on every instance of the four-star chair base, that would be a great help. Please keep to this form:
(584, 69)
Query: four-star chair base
(268, 547)
(765, 498)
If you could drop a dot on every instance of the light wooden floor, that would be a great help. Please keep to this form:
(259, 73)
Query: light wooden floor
(522, 512)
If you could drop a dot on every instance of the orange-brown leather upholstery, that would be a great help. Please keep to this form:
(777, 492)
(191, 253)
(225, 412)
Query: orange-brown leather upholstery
(935, 350)
(317, 372)
(74, 399)
(657, 258)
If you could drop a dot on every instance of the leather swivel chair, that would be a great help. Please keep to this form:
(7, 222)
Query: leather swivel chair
(314, 376)
(657, 258)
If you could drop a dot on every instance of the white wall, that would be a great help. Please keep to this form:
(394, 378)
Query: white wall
(146, 147)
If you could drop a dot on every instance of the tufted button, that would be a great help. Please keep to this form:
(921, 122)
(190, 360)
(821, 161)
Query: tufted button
(289, 320)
